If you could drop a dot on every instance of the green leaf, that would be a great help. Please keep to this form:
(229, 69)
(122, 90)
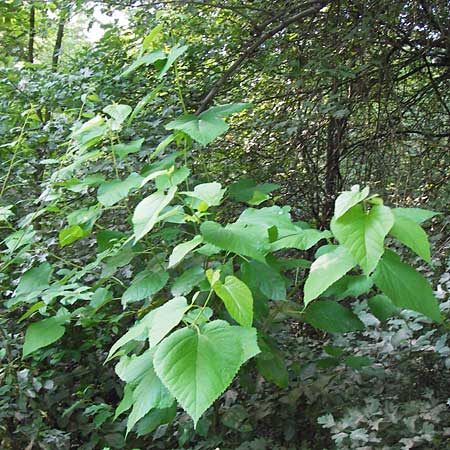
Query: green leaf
(271, 365)
(209, 193)
(91, 132)
(132, 368)
(150, 38)
(126, 403)
(6, 213)
(326, 270)
(137, 332)
(300, 240)
(381, 307)
(409, 233)
(181, 250)
(363, 233)
(149, 58)
(146, 214)
(43, 333)
(119, 113)
(348, 199)
(358, 362)
(165, 318)
(111, 192)
(249, 191)
(238, 299)
(143, 102)
(156, 417)
(266, 218)
(418, 215)
(184, 283)
(196, 367)
(123, 150)
(265, 278)
(406, 287)
(237, 238)
(34, 280)
(349, 286)
(150, 393)
(332, 317)
(144, 285)
(207, 126)
(70, 234)
(173, 55)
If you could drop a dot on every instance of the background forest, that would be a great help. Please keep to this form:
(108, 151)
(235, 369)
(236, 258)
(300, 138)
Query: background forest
(257, 114)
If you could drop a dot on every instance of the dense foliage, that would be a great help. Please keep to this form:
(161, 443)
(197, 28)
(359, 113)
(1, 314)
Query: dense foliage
(192, 256)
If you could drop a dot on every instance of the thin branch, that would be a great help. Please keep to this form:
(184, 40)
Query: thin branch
(251, 49)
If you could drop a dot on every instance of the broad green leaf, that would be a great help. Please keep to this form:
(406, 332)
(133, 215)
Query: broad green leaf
(229, 109)
(332, 317)
(171, 178)
(348, 199)
(249, 191)
(173, 55)
(326, 270)
(143, 102)
(111, 192)
(209, 193)
(123, 150)
(19, 238)
(202, 129)
(150, 38)
(265, 278)
(150, 393)
(237, 238)
(91, 132)
(6, 213)
(137, 332)
(85, 217)
(119, 113)
(197, 366)
(163, 319)
(363, 233)
(271, 365)
(34, 280)
(70, 234)
(149, 58)
(185, 282)
(131, 368)
(300, 240)
(349, 286)
(42, 333)
(106, 239)
(127, 401)
(418, 215)
(411, 234)
(381, 307)
(146, 214)
(36, 307)
(205, 127)
(266, 218)
(358, 362)
(181, 250)
(406, 287)
(156, 417)
(144, 285)
(237, 298)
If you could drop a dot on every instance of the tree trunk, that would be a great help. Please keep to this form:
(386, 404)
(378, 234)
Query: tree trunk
(58, 42)
(31, 34)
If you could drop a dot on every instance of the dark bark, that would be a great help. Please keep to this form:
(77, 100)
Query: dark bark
(58, 42)
(31, 34)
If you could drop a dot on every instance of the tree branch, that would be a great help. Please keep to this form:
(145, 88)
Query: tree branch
(252, 48)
